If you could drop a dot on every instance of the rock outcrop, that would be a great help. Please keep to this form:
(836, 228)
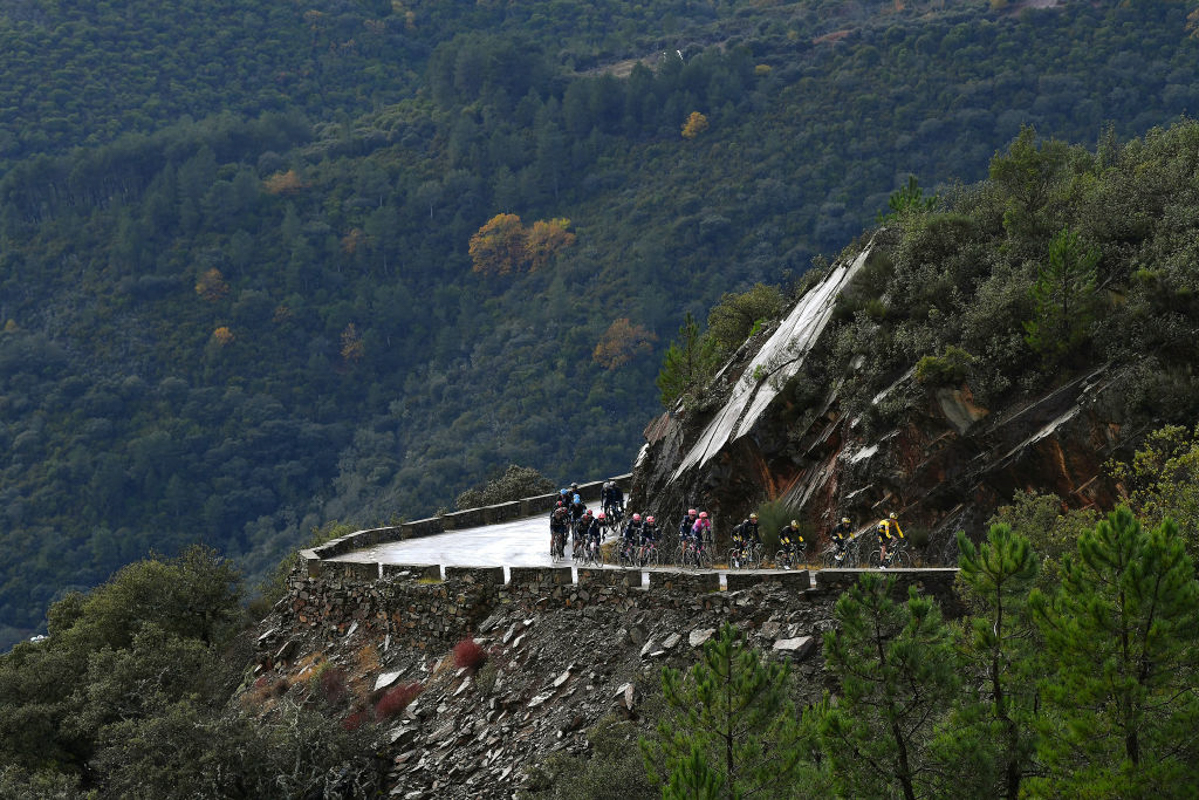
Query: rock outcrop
(945, 466)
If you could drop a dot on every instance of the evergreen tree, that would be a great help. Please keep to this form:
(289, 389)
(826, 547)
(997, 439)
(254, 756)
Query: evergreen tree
(897, 669)
(1120, 635)
(731, 731)
(997, 577)
(688, 362)
(1063, 296)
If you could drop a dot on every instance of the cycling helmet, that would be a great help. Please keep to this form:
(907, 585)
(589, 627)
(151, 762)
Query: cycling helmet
(894, 515)
(692, 512)
(636, 518)
(587, 513)
(703, 515)
(845, 520)
(563, 491)
(794, 523)
(753, 517)
(599, 516)
(575, 486)
(650, 520)
(578, 499)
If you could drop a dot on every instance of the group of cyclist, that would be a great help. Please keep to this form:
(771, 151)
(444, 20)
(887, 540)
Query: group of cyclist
(640, 534)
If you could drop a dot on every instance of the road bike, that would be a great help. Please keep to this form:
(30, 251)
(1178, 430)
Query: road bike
(647, 555)
(591, 553)
(790, 557)
(897, 556)
(747, 556)
(850, 559)
(557, 545)
(693, 555)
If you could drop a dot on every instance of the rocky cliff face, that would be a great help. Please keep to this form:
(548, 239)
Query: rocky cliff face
(946, 465)
(551, 662)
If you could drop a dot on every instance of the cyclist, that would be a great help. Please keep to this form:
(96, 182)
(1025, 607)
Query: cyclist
(888, 530)
(649, 535)
(577, 509)
(840, 537)
(612, 498)
(791, 540)
(631, 535)
(559, 522)
(744, 535)
(687, 523)
(701, 531)
(590, 530)
(583, 529)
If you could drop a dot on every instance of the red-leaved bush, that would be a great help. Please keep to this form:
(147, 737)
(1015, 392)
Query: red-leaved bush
(397, 699)
(333, 685)
(354, 721)
(468, 653)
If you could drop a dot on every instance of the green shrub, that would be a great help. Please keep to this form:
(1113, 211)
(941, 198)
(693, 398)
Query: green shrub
(948, 369)
(515, 483)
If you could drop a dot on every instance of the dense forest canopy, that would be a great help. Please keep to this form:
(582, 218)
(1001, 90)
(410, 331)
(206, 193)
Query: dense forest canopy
(236, 286)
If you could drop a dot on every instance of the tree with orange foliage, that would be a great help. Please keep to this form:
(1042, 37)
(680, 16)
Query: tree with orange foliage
(222, 336)
(352, 348)
(621, 342)
(212, 286)
(284, 183)
(498, 248)
(353, 240)
(546, 239)
(696, 124)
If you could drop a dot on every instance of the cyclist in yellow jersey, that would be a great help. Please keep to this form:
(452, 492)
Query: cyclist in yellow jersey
(887, 529)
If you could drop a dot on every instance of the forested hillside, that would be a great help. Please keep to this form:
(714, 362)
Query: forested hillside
(237, 285)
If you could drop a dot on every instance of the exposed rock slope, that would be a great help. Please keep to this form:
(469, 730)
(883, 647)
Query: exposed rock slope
(947, 464)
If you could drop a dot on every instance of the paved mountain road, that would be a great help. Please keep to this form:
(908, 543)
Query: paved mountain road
(519, 543)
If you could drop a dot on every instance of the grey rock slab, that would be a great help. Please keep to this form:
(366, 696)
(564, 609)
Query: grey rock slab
(671, 641)
(799, 646)
(700, 635)
(561, 679)
(539, 699)
(387, 679)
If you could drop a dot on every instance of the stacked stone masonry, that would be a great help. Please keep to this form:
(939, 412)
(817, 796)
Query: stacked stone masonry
(413, 607)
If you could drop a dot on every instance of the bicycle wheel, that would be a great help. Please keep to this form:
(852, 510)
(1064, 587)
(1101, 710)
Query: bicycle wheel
(874, 560)
(651, 557)
(733, 559)
(901, 559)
(781, 560)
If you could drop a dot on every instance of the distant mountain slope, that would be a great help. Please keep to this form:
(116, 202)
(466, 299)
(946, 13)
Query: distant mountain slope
(237, 327)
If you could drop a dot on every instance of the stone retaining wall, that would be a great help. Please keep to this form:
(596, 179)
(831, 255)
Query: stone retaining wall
(414, 607)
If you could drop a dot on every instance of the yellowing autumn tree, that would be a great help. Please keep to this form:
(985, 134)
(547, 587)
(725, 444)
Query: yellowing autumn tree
(352, 348)
(621, 342)
(546, 239)
(696, 124)
(498, 248)
(352, 241)
(222, 336)
(284, 183)
(212, 286)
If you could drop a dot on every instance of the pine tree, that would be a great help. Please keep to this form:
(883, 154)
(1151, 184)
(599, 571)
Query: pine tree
(997, 577)
(1063, 296)
(897, 670)
(688, 362)
(1120, 635)
(731, 731)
